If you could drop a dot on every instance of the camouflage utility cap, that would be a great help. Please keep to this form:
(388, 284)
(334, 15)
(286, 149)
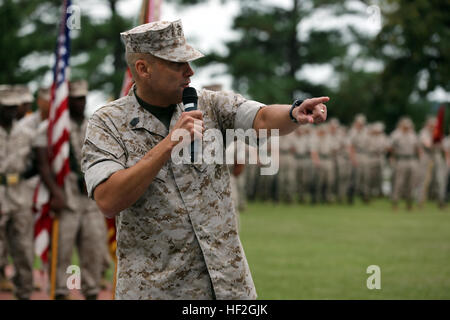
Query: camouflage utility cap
(78, 88)
(24, 93)
(9, 97)
(162, 39)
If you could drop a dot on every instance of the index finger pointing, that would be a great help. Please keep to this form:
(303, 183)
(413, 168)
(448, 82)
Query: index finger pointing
(314, 101)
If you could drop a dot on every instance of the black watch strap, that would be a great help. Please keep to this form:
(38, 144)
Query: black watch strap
(295, 105)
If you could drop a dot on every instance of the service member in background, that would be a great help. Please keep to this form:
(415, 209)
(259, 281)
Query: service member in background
(343, 164)
(376, 149)
(26, 100)
(406, 151)
(358, 157)
(323, 147)
(303, 162)
(433, 168)
(16, 220)
(81, 224)
(287, 171)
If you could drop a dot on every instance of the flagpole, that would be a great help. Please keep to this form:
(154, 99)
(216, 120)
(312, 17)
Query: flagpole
(114, 279)
(55, 231)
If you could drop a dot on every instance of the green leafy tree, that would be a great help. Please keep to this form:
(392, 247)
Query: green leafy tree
(28, 29)
(414, 47)
(29, 37)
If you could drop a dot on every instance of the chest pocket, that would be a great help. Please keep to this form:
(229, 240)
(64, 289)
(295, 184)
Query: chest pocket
(161, 176)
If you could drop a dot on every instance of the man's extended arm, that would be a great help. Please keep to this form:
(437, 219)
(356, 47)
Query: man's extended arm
(277, 116)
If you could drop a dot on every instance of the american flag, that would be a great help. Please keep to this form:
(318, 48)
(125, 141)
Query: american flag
(438, 133)
(58, 137)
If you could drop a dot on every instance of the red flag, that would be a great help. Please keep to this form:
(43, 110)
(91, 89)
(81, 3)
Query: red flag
(150, 11)
(438, 133)
(58, 137)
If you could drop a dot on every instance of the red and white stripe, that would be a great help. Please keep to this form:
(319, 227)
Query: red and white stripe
(58, 138)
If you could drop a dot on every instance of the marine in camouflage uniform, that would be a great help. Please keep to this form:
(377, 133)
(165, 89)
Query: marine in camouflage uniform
(343, 164)
(5, 284)
(405, 148)
(376, 149)
(322, 145)
(433, 168)
(302, 154)
(267, 188)
(287, 173)
(81, 223)
(26, 100)
(16, 220)
(177, 237)
(359, 157)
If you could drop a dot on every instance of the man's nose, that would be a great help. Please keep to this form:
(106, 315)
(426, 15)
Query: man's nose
(188, 72)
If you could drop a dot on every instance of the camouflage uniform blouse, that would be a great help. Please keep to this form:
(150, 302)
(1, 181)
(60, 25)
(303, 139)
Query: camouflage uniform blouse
(180, 239)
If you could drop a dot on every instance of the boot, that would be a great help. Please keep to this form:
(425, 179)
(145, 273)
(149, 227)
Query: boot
(5, 284)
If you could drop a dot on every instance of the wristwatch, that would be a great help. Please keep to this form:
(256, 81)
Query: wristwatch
(295, 105)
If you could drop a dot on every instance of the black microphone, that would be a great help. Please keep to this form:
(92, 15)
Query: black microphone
(190, 103)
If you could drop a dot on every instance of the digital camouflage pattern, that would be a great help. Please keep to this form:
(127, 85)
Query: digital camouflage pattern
(325, 145)
(16, 220)
(287, 168)
(162, 39)
(180, 239)
(15, 151)
(302, 147)
(360, 176)
(404, 146)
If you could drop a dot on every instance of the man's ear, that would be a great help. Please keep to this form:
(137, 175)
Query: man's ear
(143, 68)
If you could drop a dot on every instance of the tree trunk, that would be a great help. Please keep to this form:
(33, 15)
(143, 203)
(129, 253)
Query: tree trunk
(294, 54)
(119, 65)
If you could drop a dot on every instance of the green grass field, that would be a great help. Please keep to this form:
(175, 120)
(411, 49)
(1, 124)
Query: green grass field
(322, 252)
